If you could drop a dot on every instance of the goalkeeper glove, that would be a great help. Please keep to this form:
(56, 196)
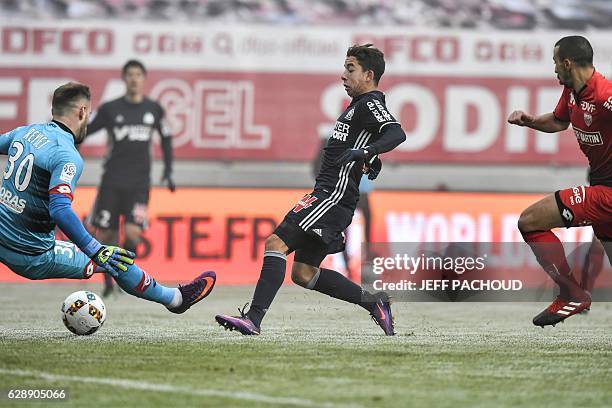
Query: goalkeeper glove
(114, 259)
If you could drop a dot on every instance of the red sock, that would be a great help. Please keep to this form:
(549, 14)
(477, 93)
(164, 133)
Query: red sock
(593, 264)
(551, 256)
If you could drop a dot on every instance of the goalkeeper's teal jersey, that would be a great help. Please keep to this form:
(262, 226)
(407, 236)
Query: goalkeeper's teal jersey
(42, 160)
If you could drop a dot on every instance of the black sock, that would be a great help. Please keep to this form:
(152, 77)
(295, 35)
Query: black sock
(108, 281)
(130, 245)
(340, 287)
(270, 280)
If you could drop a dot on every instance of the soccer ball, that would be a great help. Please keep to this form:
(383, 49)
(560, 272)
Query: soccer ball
(83, 312)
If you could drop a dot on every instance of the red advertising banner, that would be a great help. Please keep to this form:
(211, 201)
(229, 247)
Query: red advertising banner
(224, 229)
(265, 116)
(269, 94)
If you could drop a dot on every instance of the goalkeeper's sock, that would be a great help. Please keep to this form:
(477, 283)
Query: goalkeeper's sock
(138, 283)
(177, 300)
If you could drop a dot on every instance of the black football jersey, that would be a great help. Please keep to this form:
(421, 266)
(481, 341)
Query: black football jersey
(130, 128)
(358, 126)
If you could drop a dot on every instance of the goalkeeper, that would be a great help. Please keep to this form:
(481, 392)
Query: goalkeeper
(36, 195)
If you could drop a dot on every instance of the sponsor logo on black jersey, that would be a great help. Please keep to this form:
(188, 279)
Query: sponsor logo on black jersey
(350, 113)
(148, 118)
(341, 131)
(588, 138)
(304, 202)
(382, 109)
(379, 111)
(134, 133)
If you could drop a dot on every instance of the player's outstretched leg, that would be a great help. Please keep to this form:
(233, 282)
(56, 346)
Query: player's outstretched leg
(340, 287)
(139, 283)
(65, 261)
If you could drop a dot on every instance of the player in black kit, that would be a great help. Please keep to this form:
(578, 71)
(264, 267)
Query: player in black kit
(313, 228)
(130, 122)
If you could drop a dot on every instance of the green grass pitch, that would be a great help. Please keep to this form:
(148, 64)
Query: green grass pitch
(314, 351)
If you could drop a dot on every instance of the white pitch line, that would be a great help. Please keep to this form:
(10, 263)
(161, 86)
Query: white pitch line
(147, 386)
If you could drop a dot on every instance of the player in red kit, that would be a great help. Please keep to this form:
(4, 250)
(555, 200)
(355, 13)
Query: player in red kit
(586, 103)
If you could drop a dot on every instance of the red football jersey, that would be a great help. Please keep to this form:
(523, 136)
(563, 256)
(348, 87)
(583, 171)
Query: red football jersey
(590, 113)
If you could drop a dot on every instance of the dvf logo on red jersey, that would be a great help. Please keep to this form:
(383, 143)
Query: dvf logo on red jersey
(304, 202)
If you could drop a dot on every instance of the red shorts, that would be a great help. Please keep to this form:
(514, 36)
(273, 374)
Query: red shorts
(587, 205)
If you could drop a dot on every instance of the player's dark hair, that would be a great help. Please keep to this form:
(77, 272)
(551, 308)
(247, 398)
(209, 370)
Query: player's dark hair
(576, 48)
(133, 64)
(66, 96)
(370, 59)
